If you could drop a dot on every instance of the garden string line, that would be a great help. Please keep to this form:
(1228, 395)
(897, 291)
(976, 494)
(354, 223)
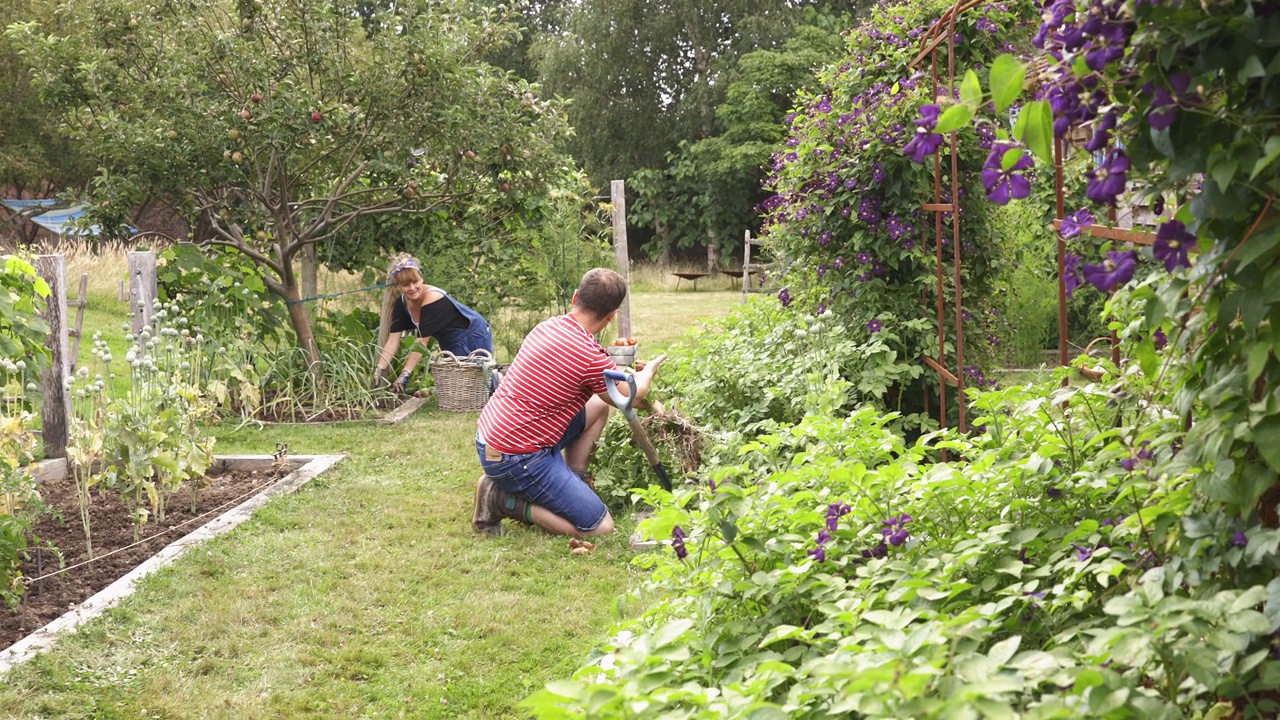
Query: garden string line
(27, 581)
(379, 286)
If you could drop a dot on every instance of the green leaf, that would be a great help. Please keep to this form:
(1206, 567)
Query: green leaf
(1266, 436)
(1011, 158)
(971, 91)
(1272, 150)
(1223, 172)
(1163, 143)
(954, 118)
(1035, 129)
(1252, 69)
(1258, 355)
(1007, 76)
(1003, 650)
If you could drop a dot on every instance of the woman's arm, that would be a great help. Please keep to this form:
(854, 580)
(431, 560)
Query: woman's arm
(385, 356)
(415, 356)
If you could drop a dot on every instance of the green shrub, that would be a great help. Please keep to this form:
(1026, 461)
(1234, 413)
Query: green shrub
(1049, 570)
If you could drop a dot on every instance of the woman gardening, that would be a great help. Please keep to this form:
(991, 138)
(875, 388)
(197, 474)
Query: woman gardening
(426, 312)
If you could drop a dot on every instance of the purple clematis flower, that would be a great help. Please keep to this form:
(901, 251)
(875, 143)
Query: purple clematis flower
(878, 551)
(1002, 185)
(784, 297)
(1240, 539)
(1107, 181)
(677, 542)
(875, 326)
(1083, 553)
(1159, 338)
(1164, 105)
(1075, 223)
(818, 553)
(1115, 271)
(835, 511)
(895, 529)
(1172, 245)
(924, 142)
(1101, 133)
(1071, 272)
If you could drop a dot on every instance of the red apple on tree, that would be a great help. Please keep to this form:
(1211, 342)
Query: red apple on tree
(256, 97)
(316, 117)
(245, 114)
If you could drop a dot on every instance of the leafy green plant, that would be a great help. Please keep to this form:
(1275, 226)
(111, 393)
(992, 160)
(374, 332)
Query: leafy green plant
(768, 364)
(1050, 571)
(150, 439)
(22, 354)
(846, 206)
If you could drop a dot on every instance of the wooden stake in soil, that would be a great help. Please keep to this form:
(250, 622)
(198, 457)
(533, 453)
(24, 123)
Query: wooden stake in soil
(142, 289)
(618, 198)
(56, 411)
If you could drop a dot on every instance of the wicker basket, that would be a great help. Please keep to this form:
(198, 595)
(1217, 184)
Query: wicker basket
(462, 383)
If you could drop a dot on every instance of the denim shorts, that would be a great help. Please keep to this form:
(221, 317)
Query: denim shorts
(544, 479)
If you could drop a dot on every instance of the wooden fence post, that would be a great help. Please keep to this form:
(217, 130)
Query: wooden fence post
(55, 414)
(142, 289)
(618, 198)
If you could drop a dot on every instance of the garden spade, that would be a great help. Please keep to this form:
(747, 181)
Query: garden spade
(623, 402)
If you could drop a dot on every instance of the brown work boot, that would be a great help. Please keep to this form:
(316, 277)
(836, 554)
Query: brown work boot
(487, 517)
(493, 504)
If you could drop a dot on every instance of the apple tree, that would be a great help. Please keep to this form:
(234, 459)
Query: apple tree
(275, 124)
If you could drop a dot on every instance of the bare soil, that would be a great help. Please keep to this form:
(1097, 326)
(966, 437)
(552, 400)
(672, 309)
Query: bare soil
(51, 592)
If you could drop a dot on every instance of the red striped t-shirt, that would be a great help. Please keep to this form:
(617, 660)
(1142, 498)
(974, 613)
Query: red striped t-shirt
(559, 367)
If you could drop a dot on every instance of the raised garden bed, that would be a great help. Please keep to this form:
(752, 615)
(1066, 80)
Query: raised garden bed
(59, 601)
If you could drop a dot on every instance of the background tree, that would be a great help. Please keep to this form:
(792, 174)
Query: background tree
(709, 189)
(35, 160)
(648, 80)
(278, 123)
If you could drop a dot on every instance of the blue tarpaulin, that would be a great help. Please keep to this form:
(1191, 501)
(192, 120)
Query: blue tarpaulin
(60, 220)
(21, 205)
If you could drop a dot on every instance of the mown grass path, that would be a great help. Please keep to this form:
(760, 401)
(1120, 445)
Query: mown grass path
(364, 595)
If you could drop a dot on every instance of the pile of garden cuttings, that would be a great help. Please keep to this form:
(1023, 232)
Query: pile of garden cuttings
(51, 593)
(668, 428)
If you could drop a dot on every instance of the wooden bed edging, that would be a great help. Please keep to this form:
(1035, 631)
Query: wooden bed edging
(305, 467)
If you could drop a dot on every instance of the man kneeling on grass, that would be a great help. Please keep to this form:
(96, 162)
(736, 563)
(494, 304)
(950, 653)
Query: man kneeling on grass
(537, 432)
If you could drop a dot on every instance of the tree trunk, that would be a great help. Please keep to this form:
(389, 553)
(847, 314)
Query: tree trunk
(309, 284)
(662, 234)
(713, 253)
(302, 328)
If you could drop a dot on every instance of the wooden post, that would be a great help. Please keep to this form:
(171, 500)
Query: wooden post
(142, 289)
(55, 414)
(746, 263)
(82, 302)
(618, 198)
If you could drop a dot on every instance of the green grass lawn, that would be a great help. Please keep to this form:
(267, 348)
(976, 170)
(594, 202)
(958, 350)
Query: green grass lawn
(366, 594)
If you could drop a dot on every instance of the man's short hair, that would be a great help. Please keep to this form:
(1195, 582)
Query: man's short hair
(601, 292)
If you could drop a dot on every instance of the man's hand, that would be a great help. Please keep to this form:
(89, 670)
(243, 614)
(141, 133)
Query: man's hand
(379, 378)
(650, 365)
